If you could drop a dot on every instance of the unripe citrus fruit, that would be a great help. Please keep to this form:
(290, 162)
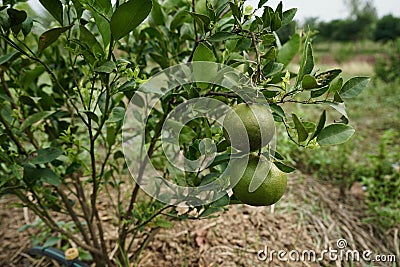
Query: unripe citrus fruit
(271, 189)
(249, 127)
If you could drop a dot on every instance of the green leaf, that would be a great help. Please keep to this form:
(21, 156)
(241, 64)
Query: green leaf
(49, 176)
(91, 115)
(78, 7)
(157, 14)
(220, 159)
(340, 107)
(34, 118)
(33, 175)
(7, 57)
(163, 223)
(276, 22)
(55, 8)
(211, 210)
(307, 63)
(128, 16)
(201, 74)
(16, 16)
(288, 16)
(272, 68)
(336, 85)
(221, 202)
(50, 36)
(283, 167)
(325, 78)
(117, 114)
(354, 86)
(335, 134)
(278, 110)
(222, 36)
(279, 9)
(235, 11)
(47, 155)
(261, 3)
(267, 16)
(320, 126)
(309, 82)
(104, 28)
(202, 20)
(319, 92)
(51, 241)
(186, 135)
(90, 41)
(106, 67)
(111, 135)
(302, 133)
(203, 53)
(27, 26)
(100, 7)
(289, 50)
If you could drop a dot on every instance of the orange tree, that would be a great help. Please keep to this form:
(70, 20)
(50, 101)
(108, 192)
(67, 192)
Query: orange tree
(67, 78)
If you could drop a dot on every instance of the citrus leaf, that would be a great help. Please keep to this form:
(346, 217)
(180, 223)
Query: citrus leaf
(320, 126)
(128, 16)
(7, 57)
(46, 155)
(261, 3)
(335, 134)
(51, 241)
(203, 53)
(106, 67)
(302, 133)
(34, 118)
(288, 16)
(336, 85)
(289, 50)
(32, 175)
(325, 78)
(276, 22)
(309, 82)
(354, 86)
(235, 11)
(221, 202)
(283, 167)
(16, 16)
(54, 7)
(88, 39)
(117, 114)
(319, 92)
(27, 26)
(92, 116)
(50, 36)
(201, 74)
(307, 63)
(340, 107)
(222, 36)
(160, 222)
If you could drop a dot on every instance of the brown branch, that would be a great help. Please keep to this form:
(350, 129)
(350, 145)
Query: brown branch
(73, 215)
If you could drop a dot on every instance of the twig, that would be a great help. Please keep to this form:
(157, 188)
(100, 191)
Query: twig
(258, 56)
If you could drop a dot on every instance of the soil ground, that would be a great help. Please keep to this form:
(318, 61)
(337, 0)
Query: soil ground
(311, 216)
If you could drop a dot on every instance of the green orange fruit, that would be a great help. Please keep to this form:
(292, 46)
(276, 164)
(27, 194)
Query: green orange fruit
(272, 186)
(249, 127)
